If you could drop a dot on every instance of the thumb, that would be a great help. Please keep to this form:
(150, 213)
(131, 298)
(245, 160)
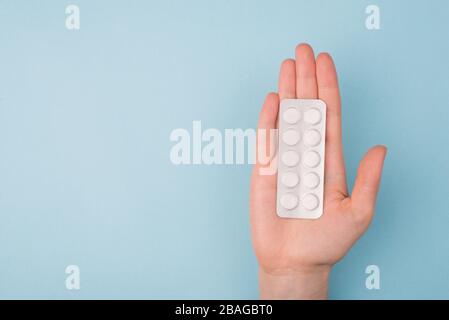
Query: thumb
(363, 198)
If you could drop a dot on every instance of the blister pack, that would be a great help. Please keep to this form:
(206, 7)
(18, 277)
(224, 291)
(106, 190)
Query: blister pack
(302, 132)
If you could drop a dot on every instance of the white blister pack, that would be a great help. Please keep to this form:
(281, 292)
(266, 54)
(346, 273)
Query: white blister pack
(302, 132)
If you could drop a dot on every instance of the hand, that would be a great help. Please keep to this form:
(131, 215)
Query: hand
(295, 256)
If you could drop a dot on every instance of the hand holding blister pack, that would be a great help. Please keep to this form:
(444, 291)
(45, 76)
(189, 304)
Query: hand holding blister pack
(302, 129)
(300, 227)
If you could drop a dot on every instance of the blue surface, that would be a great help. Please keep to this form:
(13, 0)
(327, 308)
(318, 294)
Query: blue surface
(85, 118)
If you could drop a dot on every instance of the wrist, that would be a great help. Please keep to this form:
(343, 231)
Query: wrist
(306, 284)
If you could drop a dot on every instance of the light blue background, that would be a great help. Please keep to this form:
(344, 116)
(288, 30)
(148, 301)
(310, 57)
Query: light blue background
(85, 118)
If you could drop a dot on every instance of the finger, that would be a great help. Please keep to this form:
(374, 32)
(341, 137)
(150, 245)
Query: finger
(306, 83)
(269, 112)
(335, 175)
(287, 80)
(363, 198)
(264, 178)
(265, 147)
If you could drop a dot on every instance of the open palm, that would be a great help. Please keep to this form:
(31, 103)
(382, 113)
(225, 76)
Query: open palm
(286, 246)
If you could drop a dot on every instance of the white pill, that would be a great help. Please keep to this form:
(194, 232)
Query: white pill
(291, 137)
(290, 179)
(290, 158)
(311, 180)
(312, 116)
(310, 201)
(291, 116)
(289, 201)
(311, 159)
(312, 138)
